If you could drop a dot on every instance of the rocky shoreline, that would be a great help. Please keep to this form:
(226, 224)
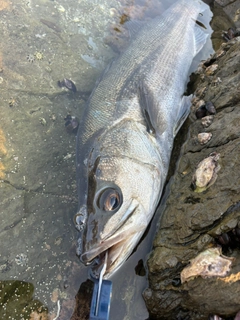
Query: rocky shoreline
(196, 220)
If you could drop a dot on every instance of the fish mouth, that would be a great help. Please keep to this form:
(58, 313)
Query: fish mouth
(118, 247)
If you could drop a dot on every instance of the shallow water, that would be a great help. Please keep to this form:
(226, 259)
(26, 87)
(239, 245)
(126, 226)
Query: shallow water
(42, 42)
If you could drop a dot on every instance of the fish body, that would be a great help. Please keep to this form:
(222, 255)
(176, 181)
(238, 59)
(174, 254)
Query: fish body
(126, 134)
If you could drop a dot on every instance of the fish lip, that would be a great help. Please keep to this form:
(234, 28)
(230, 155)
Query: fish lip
(105, 245)
(95, 256)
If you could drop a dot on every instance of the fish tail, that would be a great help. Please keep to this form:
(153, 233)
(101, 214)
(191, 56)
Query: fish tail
(193, 8)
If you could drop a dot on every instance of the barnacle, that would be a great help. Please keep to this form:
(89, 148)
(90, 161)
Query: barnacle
(21, 259)
(38, 55)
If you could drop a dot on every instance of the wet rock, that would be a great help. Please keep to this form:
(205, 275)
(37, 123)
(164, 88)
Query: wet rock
(221, 21)
(193, 222)
(83, 300)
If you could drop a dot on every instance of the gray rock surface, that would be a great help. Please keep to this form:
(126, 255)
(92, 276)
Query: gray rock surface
(193, 221)
(43, 42)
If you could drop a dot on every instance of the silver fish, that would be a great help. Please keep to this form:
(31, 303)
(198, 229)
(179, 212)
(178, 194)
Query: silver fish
(126, 134)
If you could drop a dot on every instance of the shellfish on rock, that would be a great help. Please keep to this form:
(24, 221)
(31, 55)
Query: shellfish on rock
(204, 137)
(71, 123)
(204, 109)
(209, 263)
(67, 83)
(210, 107)
(206, 172)
(207, 121)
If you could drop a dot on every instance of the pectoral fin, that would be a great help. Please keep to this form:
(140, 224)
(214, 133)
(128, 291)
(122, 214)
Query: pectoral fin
(183, 112)
(146, 102)
(200, 38)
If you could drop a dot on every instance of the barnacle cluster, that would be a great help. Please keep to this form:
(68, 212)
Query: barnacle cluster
(38, 55)
(21, 259)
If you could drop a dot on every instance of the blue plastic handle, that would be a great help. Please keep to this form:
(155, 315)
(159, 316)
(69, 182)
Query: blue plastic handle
(104, 301)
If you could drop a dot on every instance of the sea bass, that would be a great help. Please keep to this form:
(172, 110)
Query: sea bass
(126, 135)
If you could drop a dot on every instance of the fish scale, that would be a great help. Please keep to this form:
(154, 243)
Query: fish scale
(126, 134)
(113, 80)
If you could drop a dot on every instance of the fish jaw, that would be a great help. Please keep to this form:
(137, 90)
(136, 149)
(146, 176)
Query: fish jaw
(119, 247)
(134, 170)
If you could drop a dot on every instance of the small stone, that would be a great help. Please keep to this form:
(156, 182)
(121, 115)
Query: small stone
(204, 137)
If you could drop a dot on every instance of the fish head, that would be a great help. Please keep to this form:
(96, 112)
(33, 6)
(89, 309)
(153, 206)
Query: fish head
(122, 195)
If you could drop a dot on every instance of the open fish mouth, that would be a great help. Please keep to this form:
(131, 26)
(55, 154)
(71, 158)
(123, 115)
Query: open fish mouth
(112, 259)
(117, 248)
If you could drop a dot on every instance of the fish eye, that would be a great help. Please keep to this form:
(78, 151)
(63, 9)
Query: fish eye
(109, 200)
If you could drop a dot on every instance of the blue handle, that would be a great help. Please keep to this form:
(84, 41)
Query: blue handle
(104, 301)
